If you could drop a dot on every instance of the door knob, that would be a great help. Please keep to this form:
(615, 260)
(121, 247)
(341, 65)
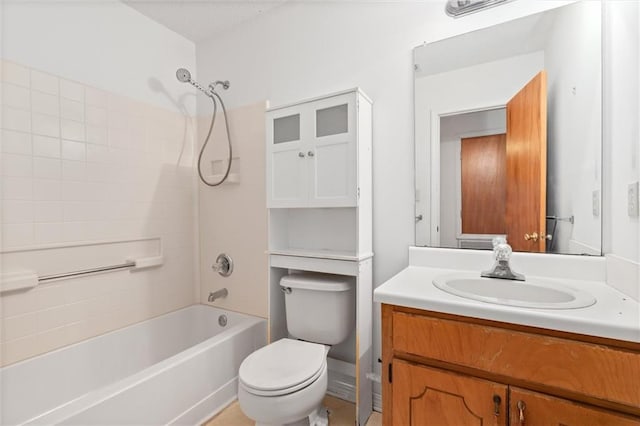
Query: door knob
(532, 237)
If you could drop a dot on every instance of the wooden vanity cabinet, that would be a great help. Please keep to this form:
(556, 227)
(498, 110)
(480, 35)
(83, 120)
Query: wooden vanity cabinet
(441, 369)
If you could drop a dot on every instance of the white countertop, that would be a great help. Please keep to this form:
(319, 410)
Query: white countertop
(614, 315)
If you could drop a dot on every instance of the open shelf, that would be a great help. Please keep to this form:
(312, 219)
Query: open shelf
(322, 254)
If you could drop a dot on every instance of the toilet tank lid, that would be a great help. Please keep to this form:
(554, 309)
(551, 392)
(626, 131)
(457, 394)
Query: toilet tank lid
(316, 281)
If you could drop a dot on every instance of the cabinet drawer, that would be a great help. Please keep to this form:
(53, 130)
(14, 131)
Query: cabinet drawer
(542, 410)
(555, 362)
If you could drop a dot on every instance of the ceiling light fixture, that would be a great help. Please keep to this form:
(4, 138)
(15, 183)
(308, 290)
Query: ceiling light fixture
(458, 8)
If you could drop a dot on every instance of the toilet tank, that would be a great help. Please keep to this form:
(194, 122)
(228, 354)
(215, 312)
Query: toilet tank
(320, 308)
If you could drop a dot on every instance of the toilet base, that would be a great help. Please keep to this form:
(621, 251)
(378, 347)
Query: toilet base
(319, 417)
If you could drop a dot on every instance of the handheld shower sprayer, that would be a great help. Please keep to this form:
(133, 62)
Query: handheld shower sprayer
(183, 75)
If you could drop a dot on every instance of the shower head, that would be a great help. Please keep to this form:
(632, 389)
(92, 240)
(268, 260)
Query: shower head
(183, 75)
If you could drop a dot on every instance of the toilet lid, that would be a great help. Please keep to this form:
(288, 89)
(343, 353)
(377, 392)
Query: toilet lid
(282, 367)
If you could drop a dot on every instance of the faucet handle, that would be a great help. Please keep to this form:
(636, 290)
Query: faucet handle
(497, 241)
(501, 250)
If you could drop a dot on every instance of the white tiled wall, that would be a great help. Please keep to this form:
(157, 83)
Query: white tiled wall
(80, 164)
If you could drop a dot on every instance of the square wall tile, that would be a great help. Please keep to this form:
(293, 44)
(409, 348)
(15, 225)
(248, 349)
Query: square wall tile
(17, 235)
(97, 135)
(19, 326)
(16, 211)
(47, 211)
(46, 125)
(16, 119)
(44, 146)
(97, 153)
(16, 142)
(19, 349)
(72, 90)
(74, 231)
(46, 168)
(44, 82)
(16, 165)
(15, 74)
(74, 170)
(72, 150)
(17, 188)
(74, 191)
(71, 110)
(15, 96)
(72, 130)
(45, 103)
(47, 233)
(47, 190)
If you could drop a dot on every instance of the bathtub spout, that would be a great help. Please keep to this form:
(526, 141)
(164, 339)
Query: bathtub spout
(218, 294)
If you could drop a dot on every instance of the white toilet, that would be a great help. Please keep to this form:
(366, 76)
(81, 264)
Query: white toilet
(284, 383)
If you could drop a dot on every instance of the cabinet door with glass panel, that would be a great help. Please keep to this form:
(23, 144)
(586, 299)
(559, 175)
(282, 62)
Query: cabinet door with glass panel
(312, 153)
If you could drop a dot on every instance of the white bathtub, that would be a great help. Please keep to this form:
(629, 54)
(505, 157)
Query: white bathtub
(180, 368)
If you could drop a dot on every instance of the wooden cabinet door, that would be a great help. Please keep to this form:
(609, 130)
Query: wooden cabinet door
(332, 153)
(425, 396)
(536, 409)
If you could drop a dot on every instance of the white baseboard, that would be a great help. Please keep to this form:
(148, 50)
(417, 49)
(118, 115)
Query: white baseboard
(342, 380)
(342, 383)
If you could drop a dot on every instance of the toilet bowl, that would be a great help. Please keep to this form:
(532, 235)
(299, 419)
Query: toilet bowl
(284, 383)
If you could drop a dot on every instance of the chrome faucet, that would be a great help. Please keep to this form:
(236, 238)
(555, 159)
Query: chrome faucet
(223, 292)
(501, 268)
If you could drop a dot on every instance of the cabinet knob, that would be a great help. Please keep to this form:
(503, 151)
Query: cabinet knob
(521, 407)
(532, 237)
(301, 154)
(310, 154)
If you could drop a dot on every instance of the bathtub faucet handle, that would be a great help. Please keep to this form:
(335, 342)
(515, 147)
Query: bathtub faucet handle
(223, 265)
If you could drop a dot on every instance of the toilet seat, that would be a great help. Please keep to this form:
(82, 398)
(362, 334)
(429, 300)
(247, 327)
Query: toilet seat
(282, 367)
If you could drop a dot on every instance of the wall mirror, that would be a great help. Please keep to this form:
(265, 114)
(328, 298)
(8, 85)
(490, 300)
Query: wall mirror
(508, 133)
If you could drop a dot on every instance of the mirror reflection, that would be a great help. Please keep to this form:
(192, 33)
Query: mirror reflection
(508, 135)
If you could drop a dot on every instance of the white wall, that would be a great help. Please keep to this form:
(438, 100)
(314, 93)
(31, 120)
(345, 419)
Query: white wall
(622, 142)
(306, 49)
(622, 113)
(574, 127)
(95, 147)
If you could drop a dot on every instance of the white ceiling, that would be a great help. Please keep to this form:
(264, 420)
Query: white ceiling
(199, 20)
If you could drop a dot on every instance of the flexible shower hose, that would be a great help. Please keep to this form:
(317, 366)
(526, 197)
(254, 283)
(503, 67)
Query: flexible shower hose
(206, 141)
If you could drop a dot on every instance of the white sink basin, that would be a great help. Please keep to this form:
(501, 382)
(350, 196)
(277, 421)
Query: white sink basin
(534, 293)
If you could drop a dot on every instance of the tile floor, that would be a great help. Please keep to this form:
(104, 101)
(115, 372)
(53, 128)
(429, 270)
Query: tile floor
(342, 413)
